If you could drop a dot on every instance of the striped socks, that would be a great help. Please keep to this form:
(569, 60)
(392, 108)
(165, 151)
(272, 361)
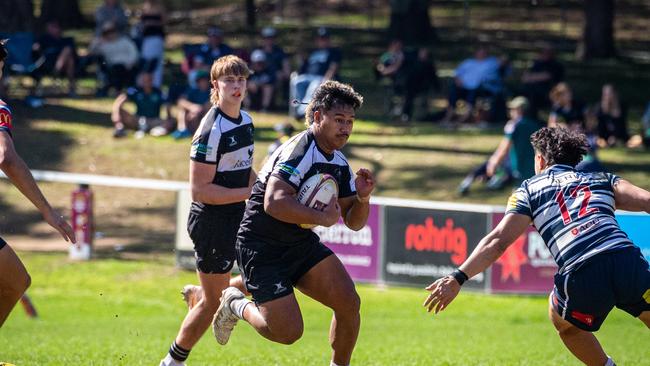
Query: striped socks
(178, 353)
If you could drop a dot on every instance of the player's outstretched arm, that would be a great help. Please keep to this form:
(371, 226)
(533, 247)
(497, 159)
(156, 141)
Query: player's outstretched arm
(355, 209)
(489, 249)
(18, 172)
(630, 197)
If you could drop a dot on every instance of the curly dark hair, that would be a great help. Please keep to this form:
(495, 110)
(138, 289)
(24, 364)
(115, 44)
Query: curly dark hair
(560, 145)
(3, 49)
(329, 94)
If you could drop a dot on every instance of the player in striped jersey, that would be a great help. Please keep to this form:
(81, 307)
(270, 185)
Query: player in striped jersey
(275, 254)
(599, 267)
(221, 178)
(14, 278)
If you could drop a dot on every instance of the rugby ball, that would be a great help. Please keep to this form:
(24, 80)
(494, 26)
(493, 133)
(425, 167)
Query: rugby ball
(316, 192)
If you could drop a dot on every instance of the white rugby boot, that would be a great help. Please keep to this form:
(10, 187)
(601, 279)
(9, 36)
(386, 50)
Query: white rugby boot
(225, 319)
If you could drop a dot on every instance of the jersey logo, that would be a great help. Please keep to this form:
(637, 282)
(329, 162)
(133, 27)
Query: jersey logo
(288, 169)
(233, 141)
(5, 118)
(512, 201)
(201, 149)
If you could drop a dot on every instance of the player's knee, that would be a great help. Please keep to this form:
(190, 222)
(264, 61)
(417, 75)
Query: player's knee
(348, 304)
(289, 335)
(23, 284)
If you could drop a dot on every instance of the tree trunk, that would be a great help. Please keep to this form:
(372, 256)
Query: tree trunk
(250, 14)
(21, 17)
(598, 36)
(66, 12)
(409, 21)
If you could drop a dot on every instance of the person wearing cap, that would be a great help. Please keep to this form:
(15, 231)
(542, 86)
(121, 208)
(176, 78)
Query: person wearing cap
(497, 170)
(321, 65)
(277, 61)
(516, 142)
(192, 105)
(260, 84)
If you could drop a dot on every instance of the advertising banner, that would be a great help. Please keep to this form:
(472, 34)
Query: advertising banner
(423, 244)
(358, 250)
(636, 227)
(527, 266)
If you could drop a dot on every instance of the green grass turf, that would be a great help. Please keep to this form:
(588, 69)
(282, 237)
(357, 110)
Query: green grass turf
(110, 312)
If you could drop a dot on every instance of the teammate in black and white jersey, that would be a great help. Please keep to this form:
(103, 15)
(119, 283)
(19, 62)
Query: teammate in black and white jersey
(275, 254)
(599, 267)
(14, 279)
(221, 177)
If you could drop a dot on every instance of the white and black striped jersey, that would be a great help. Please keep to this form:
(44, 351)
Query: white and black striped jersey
(293, 162)
(573, 212)
(227, 143)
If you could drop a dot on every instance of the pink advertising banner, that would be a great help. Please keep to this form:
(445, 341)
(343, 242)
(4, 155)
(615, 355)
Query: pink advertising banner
(358, 250)
(527, 266)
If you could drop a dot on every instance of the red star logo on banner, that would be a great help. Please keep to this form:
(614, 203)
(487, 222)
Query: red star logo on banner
(512, 260)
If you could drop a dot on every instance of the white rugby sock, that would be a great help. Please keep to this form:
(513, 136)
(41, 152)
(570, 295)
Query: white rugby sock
(332, 363)
(170, 361)
(238, 306)
(610, 362)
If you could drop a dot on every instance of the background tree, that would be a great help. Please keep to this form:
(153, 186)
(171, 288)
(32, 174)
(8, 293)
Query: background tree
(250, 14)
(409, 21)
(16, 16)
(598, 33)
(66, 12)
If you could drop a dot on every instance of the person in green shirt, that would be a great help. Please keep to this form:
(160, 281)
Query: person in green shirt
(516, 143)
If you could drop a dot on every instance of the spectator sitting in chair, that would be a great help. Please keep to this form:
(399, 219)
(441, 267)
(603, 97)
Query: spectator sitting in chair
(120, 58)
(148, 101)
(59, 55)
(321, 65)
(481, 76)
(192, 105)
(260, 84)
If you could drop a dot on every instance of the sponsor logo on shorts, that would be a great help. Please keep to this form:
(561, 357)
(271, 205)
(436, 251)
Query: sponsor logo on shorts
(278, 288)
(583, 318)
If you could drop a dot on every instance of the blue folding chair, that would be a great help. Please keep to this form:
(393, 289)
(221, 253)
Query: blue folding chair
(20, 60)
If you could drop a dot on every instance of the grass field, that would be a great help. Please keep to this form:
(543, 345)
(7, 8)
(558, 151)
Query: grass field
(110, 312)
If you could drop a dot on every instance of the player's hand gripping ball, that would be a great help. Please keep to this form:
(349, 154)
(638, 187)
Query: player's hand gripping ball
(316, 192)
